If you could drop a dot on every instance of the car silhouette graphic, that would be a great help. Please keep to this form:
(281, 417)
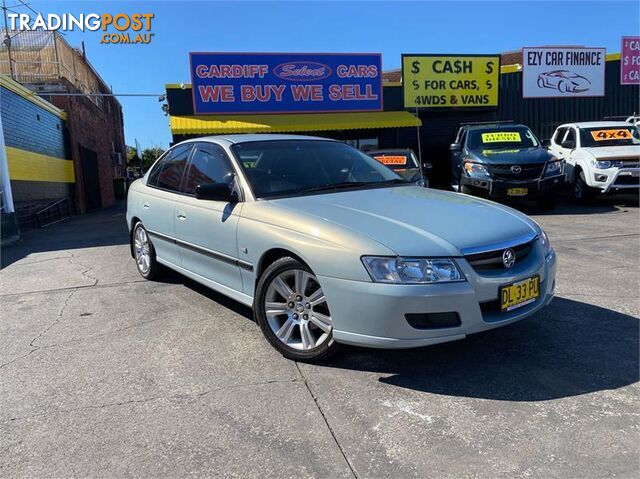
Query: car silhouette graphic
(564, 81)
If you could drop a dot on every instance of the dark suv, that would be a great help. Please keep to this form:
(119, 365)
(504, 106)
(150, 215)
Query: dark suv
(504, 160)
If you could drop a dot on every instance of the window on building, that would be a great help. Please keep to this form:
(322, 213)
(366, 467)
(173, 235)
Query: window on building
(167, 173)
(209, 164)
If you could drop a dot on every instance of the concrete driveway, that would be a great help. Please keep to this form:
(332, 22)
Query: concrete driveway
(103, 374)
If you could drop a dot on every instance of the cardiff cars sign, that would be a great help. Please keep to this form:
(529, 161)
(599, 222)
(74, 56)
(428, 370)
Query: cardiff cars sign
(450, 81)
(562, 72)
(236, 83)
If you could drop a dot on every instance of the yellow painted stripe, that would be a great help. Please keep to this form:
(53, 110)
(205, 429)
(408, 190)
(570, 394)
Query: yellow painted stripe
(18, 89)
(29, 166)
(613, 56)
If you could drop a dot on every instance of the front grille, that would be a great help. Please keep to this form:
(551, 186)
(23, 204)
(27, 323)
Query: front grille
(627, 180)
(528, 172)
(433, 320)
(492, 260)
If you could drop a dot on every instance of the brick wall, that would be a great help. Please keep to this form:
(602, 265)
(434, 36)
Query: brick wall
(97, 128)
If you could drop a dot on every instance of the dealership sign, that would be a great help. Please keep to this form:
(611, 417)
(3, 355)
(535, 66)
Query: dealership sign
(563, 72)
(450, 81)
(630, 61)
(285, 82)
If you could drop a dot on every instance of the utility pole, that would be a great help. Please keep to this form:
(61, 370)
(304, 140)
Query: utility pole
(7, 38)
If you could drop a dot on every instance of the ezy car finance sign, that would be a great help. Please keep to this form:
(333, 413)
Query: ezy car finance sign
(563, 72)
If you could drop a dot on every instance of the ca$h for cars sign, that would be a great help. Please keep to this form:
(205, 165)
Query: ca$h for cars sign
(236, 83)
(450, 81)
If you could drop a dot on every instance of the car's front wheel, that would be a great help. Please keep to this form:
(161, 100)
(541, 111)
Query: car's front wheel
(582, 192)
(293, 313)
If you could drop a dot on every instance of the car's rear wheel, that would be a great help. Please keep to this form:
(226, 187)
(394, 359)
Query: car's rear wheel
(292, 311)
(144, 253)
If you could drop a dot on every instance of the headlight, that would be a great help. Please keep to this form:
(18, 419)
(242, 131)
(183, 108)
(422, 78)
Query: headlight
(411, 270)
(554, 167)
(475, 169)
(602, 164)
(545, 242)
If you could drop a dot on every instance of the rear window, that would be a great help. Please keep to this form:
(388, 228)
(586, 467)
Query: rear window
(609, 136)
(396, 160)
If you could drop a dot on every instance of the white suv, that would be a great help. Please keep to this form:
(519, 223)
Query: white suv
(601, 157)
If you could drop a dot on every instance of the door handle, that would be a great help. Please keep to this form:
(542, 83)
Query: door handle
(146, 206)
(182, 216)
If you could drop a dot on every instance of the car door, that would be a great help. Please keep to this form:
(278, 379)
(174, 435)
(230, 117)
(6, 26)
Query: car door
(206, 229)
(157, 211)
(565, 148)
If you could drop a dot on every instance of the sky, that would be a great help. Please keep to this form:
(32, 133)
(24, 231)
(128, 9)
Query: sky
(387, 27)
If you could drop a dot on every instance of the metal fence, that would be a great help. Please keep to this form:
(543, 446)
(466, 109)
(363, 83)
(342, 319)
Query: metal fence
(38, 57)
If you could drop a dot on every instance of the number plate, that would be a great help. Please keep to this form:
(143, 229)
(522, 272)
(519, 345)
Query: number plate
(519, 294)
(517, 191)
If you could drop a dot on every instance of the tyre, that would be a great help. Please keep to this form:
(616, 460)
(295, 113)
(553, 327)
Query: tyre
(144, 253)
(582, 192)
(292, 312)
(562, 87)
(548, 202)
(540, 83)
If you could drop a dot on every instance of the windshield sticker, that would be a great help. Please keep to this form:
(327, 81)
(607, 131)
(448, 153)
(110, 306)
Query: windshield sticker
(498, 152)
(501, 136)
(604, 135)
(392, 159)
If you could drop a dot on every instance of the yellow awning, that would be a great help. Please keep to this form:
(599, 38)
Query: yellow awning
(220, 124)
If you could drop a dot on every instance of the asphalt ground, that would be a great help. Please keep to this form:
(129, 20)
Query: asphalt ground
(103, 374)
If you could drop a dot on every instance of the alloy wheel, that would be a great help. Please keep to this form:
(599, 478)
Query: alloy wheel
(296, 310)
(142, 250)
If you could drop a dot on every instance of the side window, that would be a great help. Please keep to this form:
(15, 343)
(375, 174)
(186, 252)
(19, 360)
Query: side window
(571, 136)
(557, 138)
(167, 173)
(209, 164)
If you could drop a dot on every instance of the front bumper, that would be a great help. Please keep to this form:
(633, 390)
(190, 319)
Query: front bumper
(616, 179)
(373, 314)
(499, 188)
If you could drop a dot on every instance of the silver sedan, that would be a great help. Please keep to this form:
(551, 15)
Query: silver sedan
(330, 247)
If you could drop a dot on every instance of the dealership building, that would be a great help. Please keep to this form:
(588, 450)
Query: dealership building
(429, 130)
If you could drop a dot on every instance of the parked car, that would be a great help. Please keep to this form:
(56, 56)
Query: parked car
(564, 81)
(405, 163)
(601, 156)
(504, 160)
(329, 246)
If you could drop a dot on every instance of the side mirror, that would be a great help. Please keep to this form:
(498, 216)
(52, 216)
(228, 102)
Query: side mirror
(427, 167)
(569, 144)
(546, 143)
(216, 192)
(455, 147)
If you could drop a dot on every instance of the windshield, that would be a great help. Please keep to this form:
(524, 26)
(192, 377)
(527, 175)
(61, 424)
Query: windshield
(396, 160)
(291, 167)
(609, 136)
(502, 137)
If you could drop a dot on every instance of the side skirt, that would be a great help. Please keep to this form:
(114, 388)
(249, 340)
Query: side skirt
(232, 293)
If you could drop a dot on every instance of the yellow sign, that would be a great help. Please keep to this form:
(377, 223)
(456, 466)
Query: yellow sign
(500, 136)
(604, 135)
(392, 159)
(446, 81)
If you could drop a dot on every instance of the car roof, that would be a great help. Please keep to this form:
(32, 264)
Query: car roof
(494, 125)
(247, 138)
(592, 124)
(389, 150)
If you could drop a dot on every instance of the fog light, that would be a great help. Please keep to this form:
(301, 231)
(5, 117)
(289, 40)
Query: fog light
(601, 177)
